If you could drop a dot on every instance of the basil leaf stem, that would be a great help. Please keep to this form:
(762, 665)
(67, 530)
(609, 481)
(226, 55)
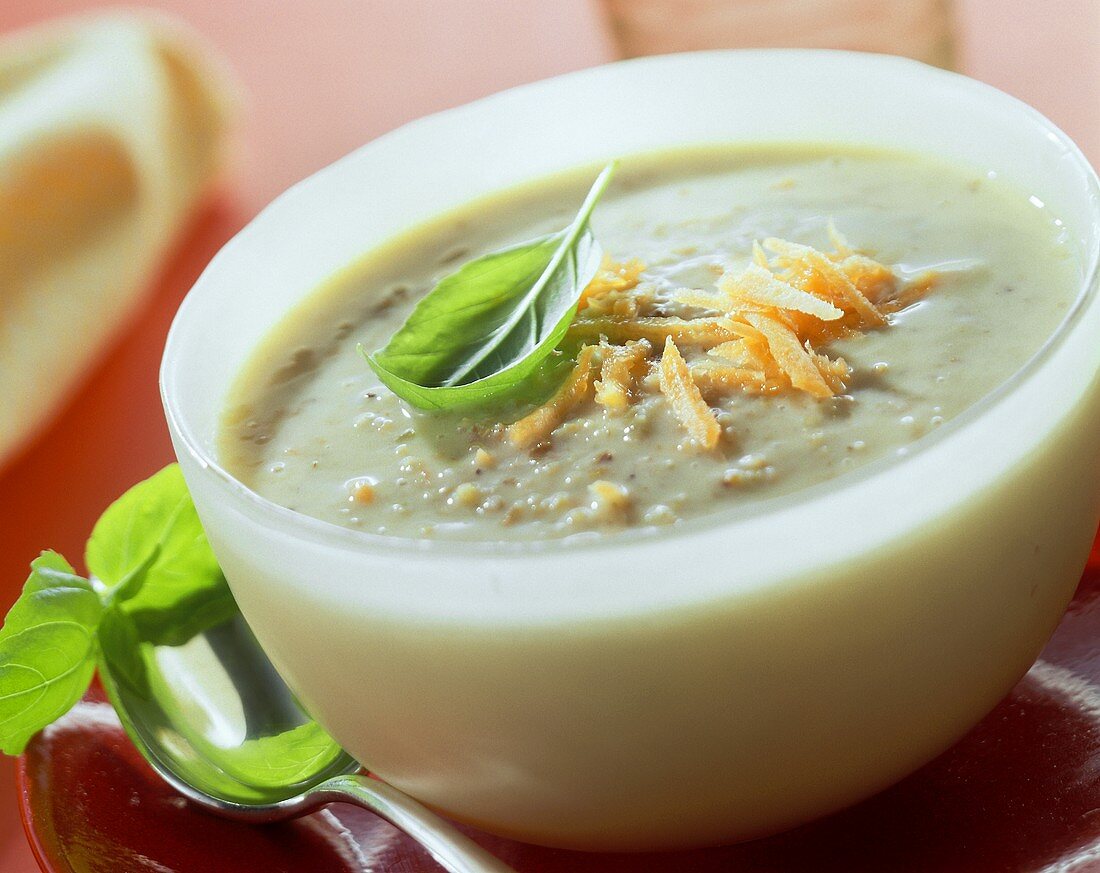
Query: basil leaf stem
(47, 650)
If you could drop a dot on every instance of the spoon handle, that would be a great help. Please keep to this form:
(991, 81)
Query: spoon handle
(454, 851)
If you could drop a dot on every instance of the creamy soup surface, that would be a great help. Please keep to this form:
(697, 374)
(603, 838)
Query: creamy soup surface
(310, 426)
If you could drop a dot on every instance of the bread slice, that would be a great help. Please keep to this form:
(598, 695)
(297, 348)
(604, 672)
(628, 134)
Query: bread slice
(111, 128)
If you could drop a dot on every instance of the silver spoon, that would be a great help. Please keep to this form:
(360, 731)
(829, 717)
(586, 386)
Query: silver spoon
(215, 720)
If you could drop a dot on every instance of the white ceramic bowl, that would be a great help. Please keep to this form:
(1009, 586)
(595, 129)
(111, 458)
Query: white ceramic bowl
(733, 678)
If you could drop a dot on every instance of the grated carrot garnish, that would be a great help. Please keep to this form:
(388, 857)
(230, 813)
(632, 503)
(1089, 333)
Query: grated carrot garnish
(685, 399)
(536, 427)
(757, 286)
(875, 281)
(913, 292)
(619, 373)
(803, 262)
(702, 299)
(757, 354)
(840, 243)
(734, 352)
(762, 328)
(718, 379)
(695, 331)
(835, 371)
(789, 354)
(759, 257)
(606, 293)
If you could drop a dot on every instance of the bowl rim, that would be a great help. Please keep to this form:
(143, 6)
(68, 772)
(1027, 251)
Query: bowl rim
(273, 515)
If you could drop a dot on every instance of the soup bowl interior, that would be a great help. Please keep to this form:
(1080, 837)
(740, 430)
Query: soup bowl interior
(723, 681)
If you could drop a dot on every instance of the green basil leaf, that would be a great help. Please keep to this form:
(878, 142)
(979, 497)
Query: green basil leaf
(158, 582)
(153, 524)
(47, 650)
(134, 580)
(52, 591)
(482, 332)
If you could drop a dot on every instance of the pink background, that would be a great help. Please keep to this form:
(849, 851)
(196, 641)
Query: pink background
(324, 76)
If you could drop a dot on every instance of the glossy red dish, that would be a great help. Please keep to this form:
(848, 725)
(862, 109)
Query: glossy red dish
(1021, 792)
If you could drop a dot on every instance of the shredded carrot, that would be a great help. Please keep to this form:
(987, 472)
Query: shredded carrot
(754, 350)
(537, 426)
(789, 354)
(619, 372)
(835, 372)
(875, 281)
(703, 299)
(756, 286)
(763, 329)
(695, 331)
(685, 399)
(759, 257)
(719, 379)
(840, 244)
(606, 293)
(803, 261)
(735, 352)
(912, 293)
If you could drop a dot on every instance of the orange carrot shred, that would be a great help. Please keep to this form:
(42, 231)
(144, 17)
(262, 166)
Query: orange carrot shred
(685, 398)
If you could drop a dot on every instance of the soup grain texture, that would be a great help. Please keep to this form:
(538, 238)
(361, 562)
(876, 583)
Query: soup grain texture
(309, 425)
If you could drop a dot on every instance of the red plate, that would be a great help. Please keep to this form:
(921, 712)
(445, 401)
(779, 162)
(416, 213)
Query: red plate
(1020, 793)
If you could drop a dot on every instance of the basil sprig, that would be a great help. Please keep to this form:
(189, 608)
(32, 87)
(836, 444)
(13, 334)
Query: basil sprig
(150, 564)
(47, 650)
(481, 334)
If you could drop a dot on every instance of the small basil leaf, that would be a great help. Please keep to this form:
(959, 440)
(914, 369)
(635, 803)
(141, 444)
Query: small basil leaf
(52, 591)
(480, 334)
(153, 524)
(427, 349)
(47, 650)
(158, 582)
(133, 581)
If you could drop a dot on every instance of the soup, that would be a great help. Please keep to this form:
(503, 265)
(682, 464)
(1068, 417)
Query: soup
(719, 359)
